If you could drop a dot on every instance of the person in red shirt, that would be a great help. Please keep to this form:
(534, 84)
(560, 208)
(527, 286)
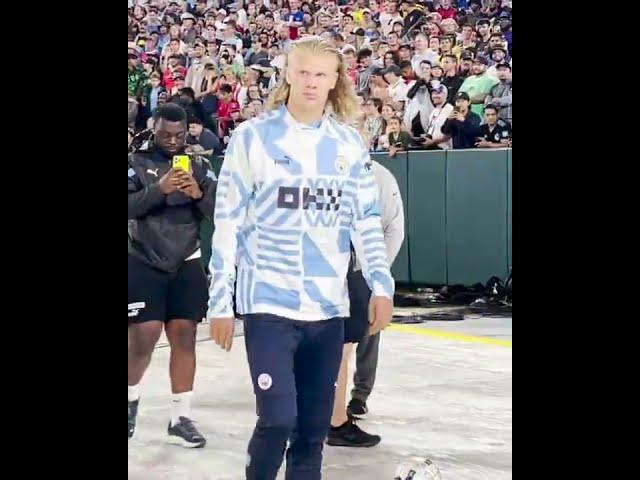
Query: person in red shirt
(352, 66)
(226, 106)
(174, 68)
(446, 10)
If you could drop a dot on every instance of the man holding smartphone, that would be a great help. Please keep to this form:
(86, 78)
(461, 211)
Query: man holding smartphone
(169, 195)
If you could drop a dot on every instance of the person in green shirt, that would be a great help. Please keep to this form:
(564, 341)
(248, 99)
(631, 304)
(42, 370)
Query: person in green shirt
(399, 140)
(137, 78)
(479, 84)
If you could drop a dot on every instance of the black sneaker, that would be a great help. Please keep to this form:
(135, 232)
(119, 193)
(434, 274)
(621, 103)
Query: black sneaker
(350, 435)
(357, 409)
(185, 434)
(133, 413)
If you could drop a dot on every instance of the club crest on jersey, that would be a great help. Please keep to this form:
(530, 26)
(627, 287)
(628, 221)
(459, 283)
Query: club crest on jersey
(342, 165)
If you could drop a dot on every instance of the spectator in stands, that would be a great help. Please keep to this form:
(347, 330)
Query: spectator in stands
(374, 124)
(500, 94)
(365, 70)
(153, 93)
(450, 78)
(172, 71)
(462, 125)
(466, 62)
(419, 106)
(397, 138)
(202, 140)
(407, 72)
(446, 10)
(378, 85)
(226, 106)
(187, 100)
(389, 17)
(437, 72)
(423, 52)
(478, 84)
(483, 29)
(198, 62)
(433, 138)
(397, 89)
(498, 55)
(467, 40)
(494, 132)
(137, 77)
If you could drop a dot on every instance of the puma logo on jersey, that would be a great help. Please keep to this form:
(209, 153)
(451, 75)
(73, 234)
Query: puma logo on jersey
(153, 172)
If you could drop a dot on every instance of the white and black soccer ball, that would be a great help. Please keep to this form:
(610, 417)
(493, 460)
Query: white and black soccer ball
(425, 470)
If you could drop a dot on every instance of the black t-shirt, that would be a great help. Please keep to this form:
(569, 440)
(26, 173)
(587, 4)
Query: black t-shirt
(501, 131)
(463, 134)
(453, 84)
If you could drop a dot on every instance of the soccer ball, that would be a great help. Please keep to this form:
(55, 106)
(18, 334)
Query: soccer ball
(425, 470)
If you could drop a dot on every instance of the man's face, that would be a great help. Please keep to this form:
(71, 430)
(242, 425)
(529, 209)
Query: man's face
(404, 54)
(174, 46)
(212, 49)
(311, 78)
(425, 70)
(483, 29)
(438, 97)
(268, 23)
(391, 8)
(173, 62)
(195, 129)
(257, 106)
(170, 136)
(350, 58)
(497, 56)
(490, 116)
(504, 74)
(465, 65)
(188, 23)
(224, 96)
(155, 82)
(434, 44)
(365, 61)
(198, 50)
(133, 61)
(466, 32)
(495, 42)
(179, 83)
(382, 49)
(388, 59)
(331, 6)
(448, 64)
(445, 44)
(445, 3)
(407, 72)
(420, 43)
(462, 104)
(295, 5)
(163, 30)
(393, 39)
(436, 72)
(477, 68)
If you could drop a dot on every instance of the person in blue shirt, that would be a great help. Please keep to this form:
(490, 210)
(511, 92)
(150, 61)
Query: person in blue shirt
(295, 191)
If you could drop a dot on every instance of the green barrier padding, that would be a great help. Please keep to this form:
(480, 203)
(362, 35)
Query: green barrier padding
(426, 219)
(476, 215)
(398, 167)
(509, 208)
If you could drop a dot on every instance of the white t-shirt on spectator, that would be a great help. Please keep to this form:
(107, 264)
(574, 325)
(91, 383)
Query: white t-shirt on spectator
(436, 120)
(387, 20)
(428, 55)
(398, 91)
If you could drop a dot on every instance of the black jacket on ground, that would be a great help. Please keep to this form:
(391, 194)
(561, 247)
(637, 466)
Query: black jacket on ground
(164, 229)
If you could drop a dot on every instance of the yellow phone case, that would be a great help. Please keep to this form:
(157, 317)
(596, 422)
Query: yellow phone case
(182, 162)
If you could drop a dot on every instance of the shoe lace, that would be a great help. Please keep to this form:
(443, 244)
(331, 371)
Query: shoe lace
(190, 428)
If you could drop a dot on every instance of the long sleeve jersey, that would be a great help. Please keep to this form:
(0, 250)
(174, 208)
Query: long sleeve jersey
(291, 199)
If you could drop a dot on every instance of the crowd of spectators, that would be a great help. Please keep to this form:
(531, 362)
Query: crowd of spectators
(429, 74)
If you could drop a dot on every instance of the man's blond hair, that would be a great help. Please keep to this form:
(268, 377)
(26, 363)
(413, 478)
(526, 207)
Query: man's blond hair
(342, 98)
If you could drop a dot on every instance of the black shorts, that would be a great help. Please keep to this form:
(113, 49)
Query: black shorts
(157, 295)
(356, 326)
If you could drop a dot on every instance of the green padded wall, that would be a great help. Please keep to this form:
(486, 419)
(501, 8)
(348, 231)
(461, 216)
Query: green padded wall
(427, 220)
(476, 211)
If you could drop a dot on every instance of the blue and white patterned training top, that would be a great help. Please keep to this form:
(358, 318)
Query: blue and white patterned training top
(290, 200)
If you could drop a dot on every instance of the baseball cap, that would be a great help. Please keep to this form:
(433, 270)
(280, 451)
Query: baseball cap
(392, 69)
(438, 87)
(463, 96)
(498, 48)
(187, 16)
(503, 65)
(481, 59)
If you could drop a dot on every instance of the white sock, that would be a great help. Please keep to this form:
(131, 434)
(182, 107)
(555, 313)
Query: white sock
(180, 406)
(134, 392)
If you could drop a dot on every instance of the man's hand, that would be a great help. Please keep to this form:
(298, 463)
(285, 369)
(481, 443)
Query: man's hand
(189, 186)
(428, 142)
(483, 144)
(170, 181)
(222, 332)
(380, 313)
(393, 151)
(460, 116)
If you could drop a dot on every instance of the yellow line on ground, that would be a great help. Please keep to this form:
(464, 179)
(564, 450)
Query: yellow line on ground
(429, 332)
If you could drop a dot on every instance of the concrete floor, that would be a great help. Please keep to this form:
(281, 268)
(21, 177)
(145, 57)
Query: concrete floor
(443, 397)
